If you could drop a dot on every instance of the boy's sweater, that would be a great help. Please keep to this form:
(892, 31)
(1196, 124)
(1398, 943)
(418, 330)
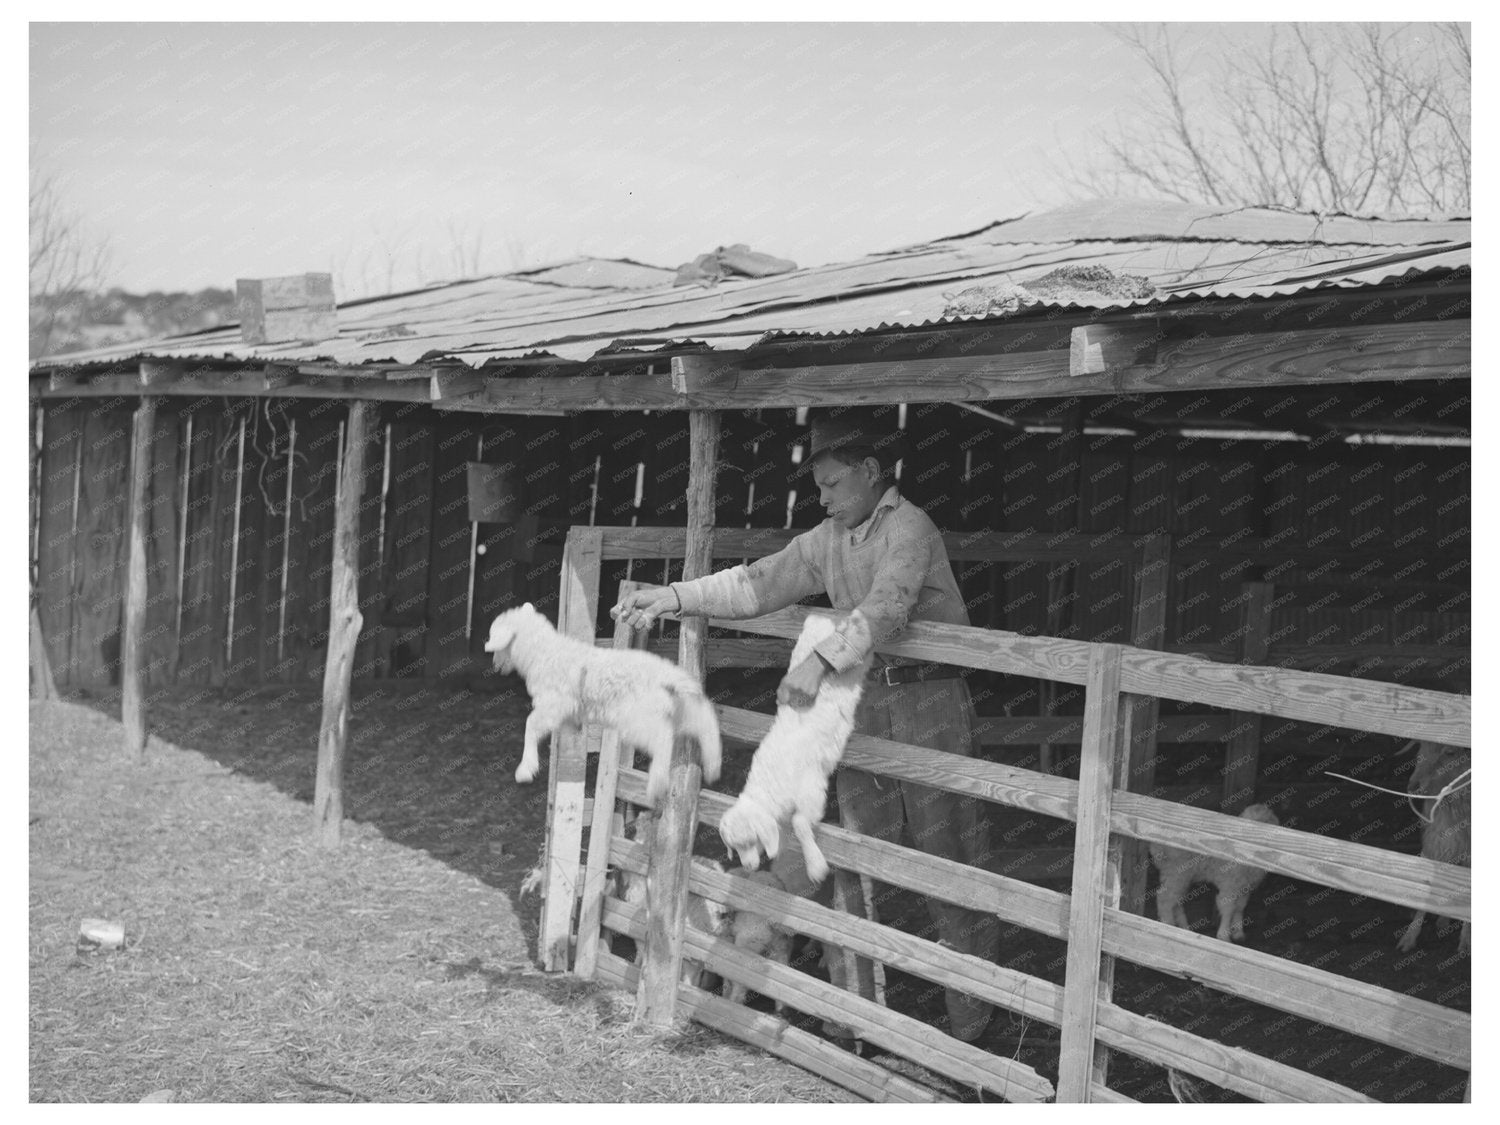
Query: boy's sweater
(890, 570)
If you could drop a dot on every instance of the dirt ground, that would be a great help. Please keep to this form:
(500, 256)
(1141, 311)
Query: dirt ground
(258, 967)
(425, 901)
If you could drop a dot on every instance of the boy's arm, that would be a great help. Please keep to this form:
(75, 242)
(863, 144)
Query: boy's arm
(766, 585)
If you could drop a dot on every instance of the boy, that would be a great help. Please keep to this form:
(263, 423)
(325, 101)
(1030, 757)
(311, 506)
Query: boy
(882, 559)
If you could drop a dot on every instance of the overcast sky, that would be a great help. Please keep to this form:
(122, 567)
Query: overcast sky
(207, 152)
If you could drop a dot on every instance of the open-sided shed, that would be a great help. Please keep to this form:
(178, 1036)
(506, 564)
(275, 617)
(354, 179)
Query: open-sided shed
(1261, 460)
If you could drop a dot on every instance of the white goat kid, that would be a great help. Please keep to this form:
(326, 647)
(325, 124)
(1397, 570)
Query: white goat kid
(754, 932)
(789, 773)
(1445, 821)
(1180, 869)
(648, 700)
(704, 915)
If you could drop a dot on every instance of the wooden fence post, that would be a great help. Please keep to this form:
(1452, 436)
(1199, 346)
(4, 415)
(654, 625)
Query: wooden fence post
(1148, 629)
(343, 628)
(1242, 756)
(132, 662)
(672, 849)
(1096, 877)
(605, 820)
(577, 612)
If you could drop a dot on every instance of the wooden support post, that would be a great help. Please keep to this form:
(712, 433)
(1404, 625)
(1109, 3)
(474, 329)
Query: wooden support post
(132, 641)
(605, 820)
(42, 684)
(1242, 756)
(1089, 978)
(1148, 629)
(343, 628)
(578, 608)
(371, 577)
(672, 848)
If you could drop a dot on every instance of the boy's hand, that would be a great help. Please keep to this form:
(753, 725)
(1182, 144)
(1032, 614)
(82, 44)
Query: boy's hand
(641, 609)
(799, 687)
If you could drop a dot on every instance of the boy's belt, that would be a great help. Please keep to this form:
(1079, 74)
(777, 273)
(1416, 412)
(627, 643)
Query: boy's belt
(893, 674)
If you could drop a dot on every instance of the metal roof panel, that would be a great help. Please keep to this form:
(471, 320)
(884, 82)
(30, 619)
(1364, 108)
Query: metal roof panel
(509, 315)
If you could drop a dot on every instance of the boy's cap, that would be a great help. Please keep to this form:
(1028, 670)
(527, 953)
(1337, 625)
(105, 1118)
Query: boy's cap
(858, 426)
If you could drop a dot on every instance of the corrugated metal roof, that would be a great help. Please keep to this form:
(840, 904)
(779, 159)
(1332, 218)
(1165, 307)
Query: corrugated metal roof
(600, 273)
(1122, 219)
(577, 309)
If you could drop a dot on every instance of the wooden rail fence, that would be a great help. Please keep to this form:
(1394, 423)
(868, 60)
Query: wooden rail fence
(1090, 919)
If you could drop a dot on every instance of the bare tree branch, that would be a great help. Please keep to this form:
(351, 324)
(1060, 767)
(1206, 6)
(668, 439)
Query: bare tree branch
(1326, 117)
(465, 247)
(66, 261)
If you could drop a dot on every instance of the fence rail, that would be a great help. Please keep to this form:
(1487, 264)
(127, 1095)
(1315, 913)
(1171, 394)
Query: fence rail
(1089, 919)
(1366, 705)
(1385, 1016)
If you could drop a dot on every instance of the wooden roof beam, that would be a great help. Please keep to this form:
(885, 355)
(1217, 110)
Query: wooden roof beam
(1094, 349)
(229, 381)
(1043, 360)
(155, 373)
(449, 384)
(63, 381)
(1099, 360)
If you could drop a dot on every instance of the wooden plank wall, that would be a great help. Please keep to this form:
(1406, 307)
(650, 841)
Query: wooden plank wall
(62, 436)
(311, 569)
(408, 541)
(197, 635)
(500, 570)
(538, 538)
(611, 502)
(1400, 515)
(585, 439)
(664, 494)
(277, 485)
(100, 546)
(457, 443)
(164, 502)
(253, 555)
